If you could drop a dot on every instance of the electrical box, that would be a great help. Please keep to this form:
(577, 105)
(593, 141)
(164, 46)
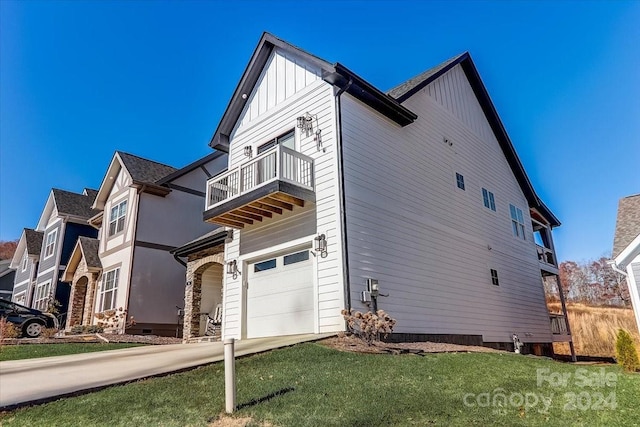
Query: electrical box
(365, 296)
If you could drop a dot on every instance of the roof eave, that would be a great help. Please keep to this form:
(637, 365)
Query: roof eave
(193, 247)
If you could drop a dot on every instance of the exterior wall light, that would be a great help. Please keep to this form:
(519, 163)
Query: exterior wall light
(248, 151)
(321, 245)
(305, 123)
(232, 268)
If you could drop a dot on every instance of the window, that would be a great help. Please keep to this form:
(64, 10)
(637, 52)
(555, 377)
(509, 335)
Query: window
(50, 243)
(287, 139)
(297, 257)
(460, 181)
(20, 298)
(41, 299)
(109, 290)
(25, 261)
(489, 201)
(264, 265)
(517, 222)
(117, 217)
(494, 277)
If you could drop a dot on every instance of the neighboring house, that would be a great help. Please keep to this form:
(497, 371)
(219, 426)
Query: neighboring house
(63, 220)
(145, 210)
(25, 262)
(7, 277)
(333, 185)
(626, 247)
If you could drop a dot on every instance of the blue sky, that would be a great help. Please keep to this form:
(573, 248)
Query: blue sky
(81, 79)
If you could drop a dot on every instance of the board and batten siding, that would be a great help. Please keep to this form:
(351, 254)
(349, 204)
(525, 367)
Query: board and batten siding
(430, 244)
(312, 95)
(633, 280)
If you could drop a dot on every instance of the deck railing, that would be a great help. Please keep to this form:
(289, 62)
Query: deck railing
(545, 256)
(558, 324)
(278, 163)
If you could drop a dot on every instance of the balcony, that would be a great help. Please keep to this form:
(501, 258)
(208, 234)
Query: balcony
(272, 183)
(547, 259)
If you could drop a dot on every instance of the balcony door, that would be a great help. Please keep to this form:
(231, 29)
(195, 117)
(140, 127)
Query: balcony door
(266, 167)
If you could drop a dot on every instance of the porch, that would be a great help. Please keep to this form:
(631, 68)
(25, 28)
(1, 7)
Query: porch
(276, 181)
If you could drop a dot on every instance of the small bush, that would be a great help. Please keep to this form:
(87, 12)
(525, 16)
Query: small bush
(8, 329)
(86, 329)
(626, 353)
(369, 326)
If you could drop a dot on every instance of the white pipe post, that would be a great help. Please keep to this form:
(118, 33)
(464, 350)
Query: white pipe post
(229, 375)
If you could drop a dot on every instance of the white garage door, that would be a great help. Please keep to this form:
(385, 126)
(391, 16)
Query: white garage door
(280, 296)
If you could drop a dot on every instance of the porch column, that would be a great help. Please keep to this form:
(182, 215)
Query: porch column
(87, 317)
(192, 297)
(566, 317)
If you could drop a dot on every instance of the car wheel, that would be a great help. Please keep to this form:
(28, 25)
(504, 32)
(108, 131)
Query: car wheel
(32, 329)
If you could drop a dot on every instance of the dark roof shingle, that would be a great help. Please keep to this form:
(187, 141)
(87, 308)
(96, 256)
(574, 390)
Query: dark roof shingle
(143, 170)
(34, 241)
(406, 87)
(627, 223)
(76, 204)
(90, 251)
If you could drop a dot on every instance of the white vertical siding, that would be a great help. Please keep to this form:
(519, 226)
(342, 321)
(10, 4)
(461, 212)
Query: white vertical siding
(430, 244)
(297, 90)
(283, 76)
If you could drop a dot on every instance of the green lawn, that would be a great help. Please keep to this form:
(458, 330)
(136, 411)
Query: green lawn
(333, 388)
(31, 351)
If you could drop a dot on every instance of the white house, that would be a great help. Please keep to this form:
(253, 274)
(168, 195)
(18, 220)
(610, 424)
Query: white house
(333, 185)
(146, 209)
(626, 247)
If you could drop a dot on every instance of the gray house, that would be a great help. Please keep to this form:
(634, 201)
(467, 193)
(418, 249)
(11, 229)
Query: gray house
(144, 209)
(25, 262)
(63, 220)
(7, 276)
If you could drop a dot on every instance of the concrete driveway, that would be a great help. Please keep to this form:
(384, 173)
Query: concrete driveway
(33, 380)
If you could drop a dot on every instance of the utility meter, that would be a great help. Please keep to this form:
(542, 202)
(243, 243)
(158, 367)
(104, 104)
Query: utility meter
(372, 287)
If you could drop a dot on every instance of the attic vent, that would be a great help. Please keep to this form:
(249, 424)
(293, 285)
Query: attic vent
(447, 141)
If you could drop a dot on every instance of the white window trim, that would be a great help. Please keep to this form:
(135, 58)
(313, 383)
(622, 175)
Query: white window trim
(113, 290)
(116, 220)
(41, 297)
(517, 223)
(25, 261)
(20, 295)
(51, 245)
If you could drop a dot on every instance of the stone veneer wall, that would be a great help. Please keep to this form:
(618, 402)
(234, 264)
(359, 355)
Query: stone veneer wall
(197, 263)
(79, 313)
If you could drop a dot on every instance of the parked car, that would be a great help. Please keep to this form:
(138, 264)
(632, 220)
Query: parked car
(30, 321)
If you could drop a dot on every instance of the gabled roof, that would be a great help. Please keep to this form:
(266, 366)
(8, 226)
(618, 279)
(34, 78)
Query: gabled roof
(412, 86)
(185, 170)
(31, 240)
(75, 204)
(335, 74)
(143, 172)
(87, 248)
(627, 223)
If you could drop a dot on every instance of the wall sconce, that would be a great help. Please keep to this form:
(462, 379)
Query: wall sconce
(248, 151)
(321, 245)
(305, 123)
(232, 268)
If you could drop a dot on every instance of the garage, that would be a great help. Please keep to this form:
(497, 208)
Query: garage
(280, 299)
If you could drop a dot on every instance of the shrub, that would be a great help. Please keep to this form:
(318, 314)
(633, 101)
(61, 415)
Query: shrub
(369, 326)
(86, 329)
(8, 329)
(49, 332)
(626, 353)
(115, 321)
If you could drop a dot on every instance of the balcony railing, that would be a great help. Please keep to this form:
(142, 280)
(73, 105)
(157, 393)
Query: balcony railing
(558, 324)
(279, 163)
(546, 256)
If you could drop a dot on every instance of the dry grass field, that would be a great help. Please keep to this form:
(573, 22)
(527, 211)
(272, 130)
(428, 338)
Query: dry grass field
(594, 329)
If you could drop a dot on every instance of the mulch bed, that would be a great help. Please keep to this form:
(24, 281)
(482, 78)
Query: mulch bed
(95, 338)
(354, 344)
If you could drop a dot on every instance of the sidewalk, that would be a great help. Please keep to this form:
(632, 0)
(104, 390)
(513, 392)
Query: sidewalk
(31, 380)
